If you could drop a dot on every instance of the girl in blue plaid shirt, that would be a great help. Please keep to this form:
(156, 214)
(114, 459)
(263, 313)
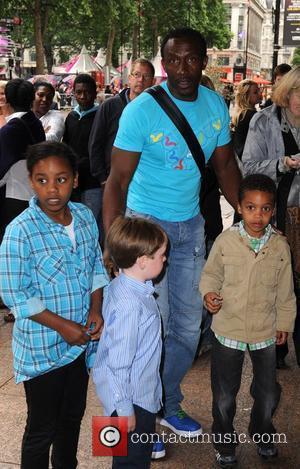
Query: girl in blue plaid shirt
(51, 277)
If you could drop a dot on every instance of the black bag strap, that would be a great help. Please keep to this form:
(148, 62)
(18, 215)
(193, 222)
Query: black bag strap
(176, 116)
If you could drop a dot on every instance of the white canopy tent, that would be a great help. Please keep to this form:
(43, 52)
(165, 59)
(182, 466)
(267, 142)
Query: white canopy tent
(159, 69)
(84, 63)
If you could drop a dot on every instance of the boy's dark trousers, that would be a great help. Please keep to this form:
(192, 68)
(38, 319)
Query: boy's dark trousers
(139, 454)
(226, 372)
(56, 403)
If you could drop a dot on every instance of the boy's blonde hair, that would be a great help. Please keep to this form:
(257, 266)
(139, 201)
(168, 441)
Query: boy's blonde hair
(242, 103)
(130, 238)
(288, 83)
(3, 84)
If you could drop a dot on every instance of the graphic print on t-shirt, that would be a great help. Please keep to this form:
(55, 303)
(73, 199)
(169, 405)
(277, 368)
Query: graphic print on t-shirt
(177, 154)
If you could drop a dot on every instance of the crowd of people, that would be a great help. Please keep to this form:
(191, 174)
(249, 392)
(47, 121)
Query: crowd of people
(125, 175)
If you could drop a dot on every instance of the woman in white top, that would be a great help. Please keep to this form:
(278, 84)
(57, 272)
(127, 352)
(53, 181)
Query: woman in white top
(52, 121)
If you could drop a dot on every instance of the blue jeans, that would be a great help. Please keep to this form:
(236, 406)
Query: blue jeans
(179, 302)
(93, 199)
(138, 451)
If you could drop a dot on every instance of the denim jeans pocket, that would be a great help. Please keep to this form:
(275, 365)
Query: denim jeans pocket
(133, 214)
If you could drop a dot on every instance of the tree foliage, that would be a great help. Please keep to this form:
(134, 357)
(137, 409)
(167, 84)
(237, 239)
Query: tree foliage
(296, 56)
(111, 24)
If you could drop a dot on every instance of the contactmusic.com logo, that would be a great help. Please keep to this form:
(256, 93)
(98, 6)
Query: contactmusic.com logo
(110, 436)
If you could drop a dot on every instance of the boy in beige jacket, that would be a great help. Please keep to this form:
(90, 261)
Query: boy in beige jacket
(247, 284)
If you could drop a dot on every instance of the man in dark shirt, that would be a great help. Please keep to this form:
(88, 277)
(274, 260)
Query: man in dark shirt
(107, 118)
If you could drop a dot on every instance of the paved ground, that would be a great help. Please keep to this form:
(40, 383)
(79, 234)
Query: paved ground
(196, 388)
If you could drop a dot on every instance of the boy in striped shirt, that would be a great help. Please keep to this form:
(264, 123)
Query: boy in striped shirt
(126, 369)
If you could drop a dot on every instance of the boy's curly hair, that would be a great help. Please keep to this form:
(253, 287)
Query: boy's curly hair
(257, 182)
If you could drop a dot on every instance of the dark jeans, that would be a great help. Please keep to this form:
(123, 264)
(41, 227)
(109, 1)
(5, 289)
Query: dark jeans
(55, 406)
(139, 454)
(226, 372)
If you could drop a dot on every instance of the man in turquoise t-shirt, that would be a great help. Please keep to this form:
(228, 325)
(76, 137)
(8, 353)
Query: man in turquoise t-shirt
(154, 175)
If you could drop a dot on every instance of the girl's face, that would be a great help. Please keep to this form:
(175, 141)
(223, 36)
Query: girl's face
(53, 181)
(2, 96)
(254, 95)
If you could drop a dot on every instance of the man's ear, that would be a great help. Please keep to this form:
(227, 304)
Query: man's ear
(204, 63)
(239, 209)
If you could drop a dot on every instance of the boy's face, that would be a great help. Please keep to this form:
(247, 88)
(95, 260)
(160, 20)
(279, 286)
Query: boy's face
(256, 209)
(84, 95)
(53, 180)
(152, 266)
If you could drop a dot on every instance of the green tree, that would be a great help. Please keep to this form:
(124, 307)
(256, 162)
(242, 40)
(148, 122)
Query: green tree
(112, 24)
(207, 16)
(296, 56)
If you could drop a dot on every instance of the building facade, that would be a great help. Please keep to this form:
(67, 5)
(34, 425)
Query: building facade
(250, 52)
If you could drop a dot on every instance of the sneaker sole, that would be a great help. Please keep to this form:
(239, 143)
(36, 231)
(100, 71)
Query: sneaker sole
(226, 465)
(158, 454)
(188, 434)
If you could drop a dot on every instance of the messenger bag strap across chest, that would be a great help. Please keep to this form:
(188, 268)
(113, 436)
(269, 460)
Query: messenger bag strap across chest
(179, 120)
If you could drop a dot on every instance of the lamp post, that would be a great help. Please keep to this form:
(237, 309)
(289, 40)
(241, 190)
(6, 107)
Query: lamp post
(247, 40)
(276, 35)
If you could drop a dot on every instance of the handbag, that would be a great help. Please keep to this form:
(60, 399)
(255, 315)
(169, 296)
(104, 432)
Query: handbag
(179, 120)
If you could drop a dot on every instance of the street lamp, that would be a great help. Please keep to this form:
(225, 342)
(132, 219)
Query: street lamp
(276, 34)
(247, 40)
(241, 62)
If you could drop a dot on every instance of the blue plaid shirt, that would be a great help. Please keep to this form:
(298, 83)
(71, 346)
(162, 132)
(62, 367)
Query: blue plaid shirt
(40, 269)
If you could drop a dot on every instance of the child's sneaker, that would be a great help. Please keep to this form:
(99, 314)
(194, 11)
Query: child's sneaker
(182, 424)
(267, 452)
(226, 460)
(158, 450)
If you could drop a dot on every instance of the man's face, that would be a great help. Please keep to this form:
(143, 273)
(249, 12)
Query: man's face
(84, 95)
(184, 64)
(140, 78)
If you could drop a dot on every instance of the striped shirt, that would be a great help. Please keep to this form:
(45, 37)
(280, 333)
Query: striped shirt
(126, 369)
(40, 269)
(256, 244)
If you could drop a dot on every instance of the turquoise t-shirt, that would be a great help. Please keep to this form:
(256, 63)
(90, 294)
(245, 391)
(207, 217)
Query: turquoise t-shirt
(166, 182)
